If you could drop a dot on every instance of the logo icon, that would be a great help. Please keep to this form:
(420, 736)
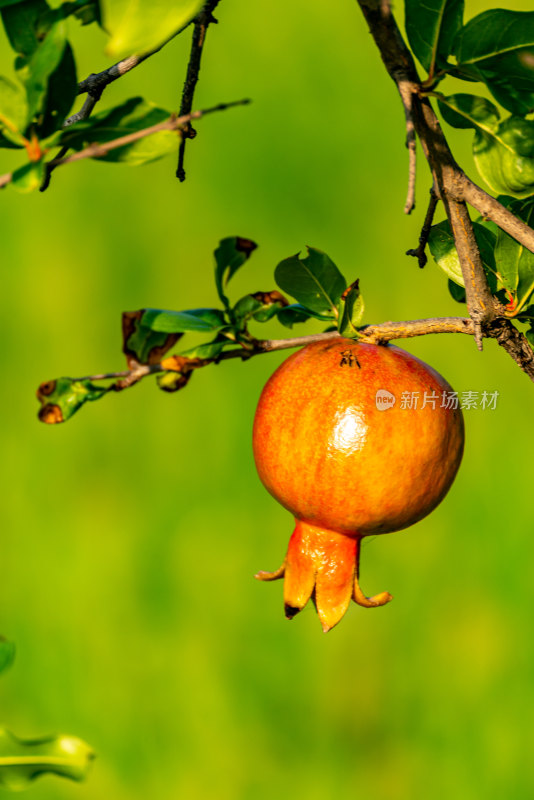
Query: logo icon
(384, 400)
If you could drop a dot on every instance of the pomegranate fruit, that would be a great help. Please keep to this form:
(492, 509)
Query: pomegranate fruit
(353, 439)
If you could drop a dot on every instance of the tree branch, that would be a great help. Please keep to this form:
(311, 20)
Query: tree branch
(451, 184)
(369, 334)
(202, 22)
(100, 150)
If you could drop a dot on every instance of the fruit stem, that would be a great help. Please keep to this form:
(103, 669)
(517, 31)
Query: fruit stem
(358, 596)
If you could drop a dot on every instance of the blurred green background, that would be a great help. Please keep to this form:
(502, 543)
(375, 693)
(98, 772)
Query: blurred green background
(130, 536)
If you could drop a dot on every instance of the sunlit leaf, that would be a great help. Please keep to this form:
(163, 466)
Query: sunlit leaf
(29, 177)
(63, 397)
(516, 262)
(7, 654)
(21, 761)
(13, 111)
(503, 151)
(351, 308)
(497, 46)
(314, 281)
(137, 26)
(443, 249)
(431, 27)
(230, 256)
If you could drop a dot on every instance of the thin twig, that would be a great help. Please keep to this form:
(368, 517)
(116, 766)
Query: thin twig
(453, 187)
(202, 22)
(419, 252)
(84, 112)
(97, 82)
(406, 94)
(100, 150)
(369, 334)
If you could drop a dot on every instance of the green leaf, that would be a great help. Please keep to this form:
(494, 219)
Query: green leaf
(516, 263)
(230, 256)
(140, 344)
(469, 111)
(23, 25)
(431, 27)
(7, 654)
(29, 177)
(210, 349)
(314, 281)
(138, 26)
(21, 761)
(498, 47)
(198, 319)
(173, 381)
(351, 308)
(260, 306)
(35, 71)
(443, 249)
(62, 398)
(457, 292)
(133, 115)
(530, 336)
(503, 151)
(13, 111)
(295, 313)
(61, 93)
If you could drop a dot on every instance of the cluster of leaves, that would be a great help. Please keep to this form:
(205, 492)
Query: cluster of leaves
(495, 48)
(320, 290)
(23, 760)
(36, 101)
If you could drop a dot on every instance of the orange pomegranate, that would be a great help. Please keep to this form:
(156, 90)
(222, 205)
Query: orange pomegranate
(353, 439)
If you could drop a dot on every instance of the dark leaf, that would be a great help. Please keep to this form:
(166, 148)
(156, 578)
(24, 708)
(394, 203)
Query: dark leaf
(431, 27)
(498, 47)
(133, 115)
(142, 345)
(457, 292)
(314, 281)
(22, 23)
(7, 654)
(21, 761)
(351, 308)
(295, 313)
(530, 336)
(60, 96)
(62, 398)
(230, 255)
